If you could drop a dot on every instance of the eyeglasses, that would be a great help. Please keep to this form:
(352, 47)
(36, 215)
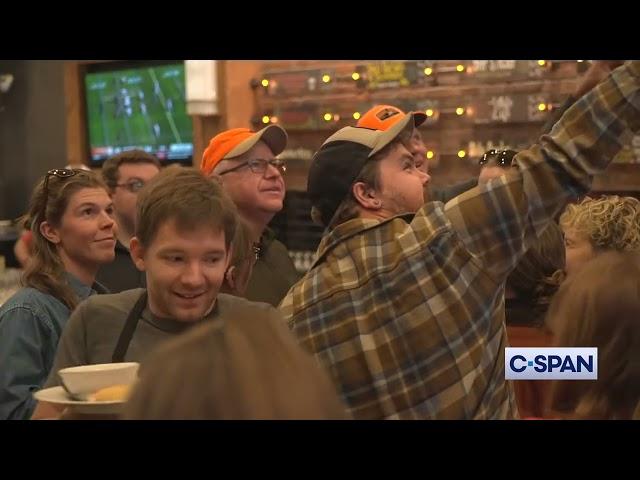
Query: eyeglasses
(259, 165)
(134, 186)
(503, 158)
(62, 173)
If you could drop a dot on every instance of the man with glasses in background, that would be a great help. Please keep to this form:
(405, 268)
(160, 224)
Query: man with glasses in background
(125, 174)
(244, 163)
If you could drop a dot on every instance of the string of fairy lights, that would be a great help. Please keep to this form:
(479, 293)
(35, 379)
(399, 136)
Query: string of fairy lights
(432, 113)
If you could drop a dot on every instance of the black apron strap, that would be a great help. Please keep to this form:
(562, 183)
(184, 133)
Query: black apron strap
(129, 328)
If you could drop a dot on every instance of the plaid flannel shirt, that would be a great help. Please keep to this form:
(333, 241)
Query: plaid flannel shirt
(407, 314)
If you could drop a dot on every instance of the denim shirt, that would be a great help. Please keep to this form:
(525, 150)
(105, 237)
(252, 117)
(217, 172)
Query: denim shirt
(31, 323)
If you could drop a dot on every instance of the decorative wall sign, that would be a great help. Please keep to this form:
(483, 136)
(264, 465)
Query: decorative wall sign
(510, 108)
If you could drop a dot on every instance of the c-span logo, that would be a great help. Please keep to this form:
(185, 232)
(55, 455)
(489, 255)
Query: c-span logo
(551, 363)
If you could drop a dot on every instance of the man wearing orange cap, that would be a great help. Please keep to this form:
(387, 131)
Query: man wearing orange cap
(383, 117)
(244, 162)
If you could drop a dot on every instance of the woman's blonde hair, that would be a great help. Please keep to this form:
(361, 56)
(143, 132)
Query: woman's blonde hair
(601, 308)
(610, 222)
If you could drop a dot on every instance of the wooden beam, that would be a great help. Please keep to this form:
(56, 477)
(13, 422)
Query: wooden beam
(76, 133)
(239, 100)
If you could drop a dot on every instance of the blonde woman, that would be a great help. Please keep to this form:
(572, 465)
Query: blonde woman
(600, 224)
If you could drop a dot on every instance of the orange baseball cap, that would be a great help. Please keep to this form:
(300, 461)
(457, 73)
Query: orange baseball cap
(233, 143)
(340, 160)
(382, 117)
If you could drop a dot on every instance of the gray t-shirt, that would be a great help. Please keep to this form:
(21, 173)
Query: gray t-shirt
(91, 333)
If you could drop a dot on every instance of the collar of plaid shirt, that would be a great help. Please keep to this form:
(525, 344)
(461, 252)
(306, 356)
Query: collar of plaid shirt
(349, 229)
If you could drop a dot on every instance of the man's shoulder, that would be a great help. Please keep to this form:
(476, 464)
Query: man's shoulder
(277, 249)
(28, 297)
(113, 304)
(366, 250)
(38, 303)
(277, 244)
(232, 304)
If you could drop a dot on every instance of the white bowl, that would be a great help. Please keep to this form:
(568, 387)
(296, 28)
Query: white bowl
(86, 379)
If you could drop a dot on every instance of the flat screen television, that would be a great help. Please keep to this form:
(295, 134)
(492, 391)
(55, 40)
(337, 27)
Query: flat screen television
(138, 104)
